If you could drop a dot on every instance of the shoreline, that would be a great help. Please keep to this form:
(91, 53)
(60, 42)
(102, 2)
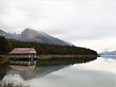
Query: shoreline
(4, 58)
(65, 56)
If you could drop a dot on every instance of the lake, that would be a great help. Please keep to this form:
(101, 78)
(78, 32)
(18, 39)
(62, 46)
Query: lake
(100, 72)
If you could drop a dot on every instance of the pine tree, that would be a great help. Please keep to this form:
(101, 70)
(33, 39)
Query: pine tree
(3, 45)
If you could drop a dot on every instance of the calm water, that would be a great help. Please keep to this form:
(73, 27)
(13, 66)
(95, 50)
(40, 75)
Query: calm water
(97, 73)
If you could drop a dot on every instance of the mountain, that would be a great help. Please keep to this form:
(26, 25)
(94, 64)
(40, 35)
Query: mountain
(30, 35)
(3, 33)
(108, 53)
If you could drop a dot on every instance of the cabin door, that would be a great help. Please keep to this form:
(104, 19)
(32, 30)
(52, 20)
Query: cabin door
(32, 58)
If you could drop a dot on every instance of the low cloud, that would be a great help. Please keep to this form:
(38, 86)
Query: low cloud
(69, 20)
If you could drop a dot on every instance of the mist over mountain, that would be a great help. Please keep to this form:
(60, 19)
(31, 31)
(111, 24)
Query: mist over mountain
(30, 35)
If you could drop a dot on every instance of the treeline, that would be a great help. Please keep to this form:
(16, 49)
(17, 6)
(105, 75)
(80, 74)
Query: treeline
(48, 48)
(3, 45)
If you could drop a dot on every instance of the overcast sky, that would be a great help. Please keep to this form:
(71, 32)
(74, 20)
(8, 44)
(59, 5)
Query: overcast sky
(86, 23)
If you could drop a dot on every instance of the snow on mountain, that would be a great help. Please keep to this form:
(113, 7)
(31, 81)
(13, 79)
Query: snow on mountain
(3, 33)
(8, 35)
(30, 35)
(108, 53)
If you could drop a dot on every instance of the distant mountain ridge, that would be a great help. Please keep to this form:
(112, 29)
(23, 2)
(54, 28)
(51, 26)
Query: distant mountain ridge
(30, 35)
(108, 53)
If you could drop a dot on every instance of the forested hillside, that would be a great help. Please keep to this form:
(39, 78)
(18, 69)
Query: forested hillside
(44, 48)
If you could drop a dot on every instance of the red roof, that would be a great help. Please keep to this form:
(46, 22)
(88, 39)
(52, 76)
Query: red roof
(22, 50)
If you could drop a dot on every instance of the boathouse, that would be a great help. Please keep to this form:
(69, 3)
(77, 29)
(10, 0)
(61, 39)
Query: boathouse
(23, 56)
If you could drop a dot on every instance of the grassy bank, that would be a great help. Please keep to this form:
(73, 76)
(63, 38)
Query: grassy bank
(3, 58)
(64, 56)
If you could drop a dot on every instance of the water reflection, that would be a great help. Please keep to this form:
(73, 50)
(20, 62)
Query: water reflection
(36, 73)
(64, 61)
(3, 70)
(44, 67)
(91, 74)
(68, 73)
